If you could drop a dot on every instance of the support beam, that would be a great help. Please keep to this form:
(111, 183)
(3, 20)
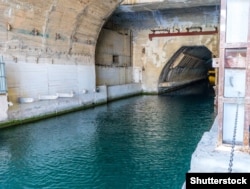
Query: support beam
(168, 34)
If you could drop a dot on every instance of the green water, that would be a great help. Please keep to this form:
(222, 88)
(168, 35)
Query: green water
(140, 142)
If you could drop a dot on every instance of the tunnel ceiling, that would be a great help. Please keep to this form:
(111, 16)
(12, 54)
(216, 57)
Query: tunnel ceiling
(187, 65)
(165, 14)
(52, 28)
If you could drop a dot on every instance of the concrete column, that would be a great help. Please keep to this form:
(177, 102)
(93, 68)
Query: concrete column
(234, 73)
(4, 107)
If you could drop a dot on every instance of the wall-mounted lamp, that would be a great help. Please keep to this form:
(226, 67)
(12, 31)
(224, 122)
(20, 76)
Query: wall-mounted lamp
(143, 68)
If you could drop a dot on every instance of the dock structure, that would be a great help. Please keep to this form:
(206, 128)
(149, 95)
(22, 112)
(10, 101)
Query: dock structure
(234, 74)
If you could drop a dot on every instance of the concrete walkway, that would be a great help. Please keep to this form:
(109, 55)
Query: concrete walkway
(210, 158)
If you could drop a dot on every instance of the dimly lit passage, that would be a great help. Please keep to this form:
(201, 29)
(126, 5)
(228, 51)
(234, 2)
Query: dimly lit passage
(188, 65)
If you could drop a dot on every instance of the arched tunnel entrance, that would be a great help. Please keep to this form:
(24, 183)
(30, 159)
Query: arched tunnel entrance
(188, 65)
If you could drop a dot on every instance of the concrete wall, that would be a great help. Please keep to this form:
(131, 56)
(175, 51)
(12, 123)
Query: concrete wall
(113, 43)
(50, 47)
(26, 79)
(209, 157)
(53, 27)
(113, 58)
(114, 75)
(21, 112)
(4, 107)
(151, 56)
(34, 80)
(119, 91)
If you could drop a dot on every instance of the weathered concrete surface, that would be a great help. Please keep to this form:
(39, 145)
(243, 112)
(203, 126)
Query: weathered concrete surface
(119, 91)
(52, 27)
(112, 75)
(113, 43)
(50, 46)
(209, 157)
(113, 58)
(152, 56)
(162, 4)
(158, 52)
(21, 112)
(26, 79)
(4, 107)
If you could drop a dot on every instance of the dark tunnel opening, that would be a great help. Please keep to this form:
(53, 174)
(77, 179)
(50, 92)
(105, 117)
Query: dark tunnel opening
(187, 72)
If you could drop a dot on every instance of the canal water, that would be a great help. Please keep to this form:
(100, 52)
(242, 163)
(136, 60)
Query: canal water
(135, 143)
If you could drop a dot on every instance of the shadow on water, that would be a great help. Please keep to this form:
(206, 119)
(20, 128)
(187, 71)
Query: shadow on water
(198, 88)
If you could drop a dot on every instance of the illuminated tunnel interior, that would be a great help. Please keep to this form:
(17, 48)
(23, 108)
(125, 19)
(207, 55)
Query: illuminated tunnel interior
(188, 65)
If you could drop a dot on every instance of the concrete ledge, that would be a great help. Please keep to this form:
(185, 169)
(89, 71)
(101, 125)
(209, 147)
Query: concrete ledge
(208, 157)
(173, 86)
(29, 112)
(36, 117)
(119, 91)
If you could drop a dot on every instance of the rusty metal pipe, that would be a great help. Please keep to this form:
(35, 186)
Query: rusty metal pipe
(152, 35)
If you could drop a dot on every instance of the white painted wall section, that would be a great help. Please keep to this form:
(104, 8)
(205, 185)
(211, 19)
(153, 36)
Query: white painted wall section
(120, 91)
(229, 123)
(3, 107)
(32, 80)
